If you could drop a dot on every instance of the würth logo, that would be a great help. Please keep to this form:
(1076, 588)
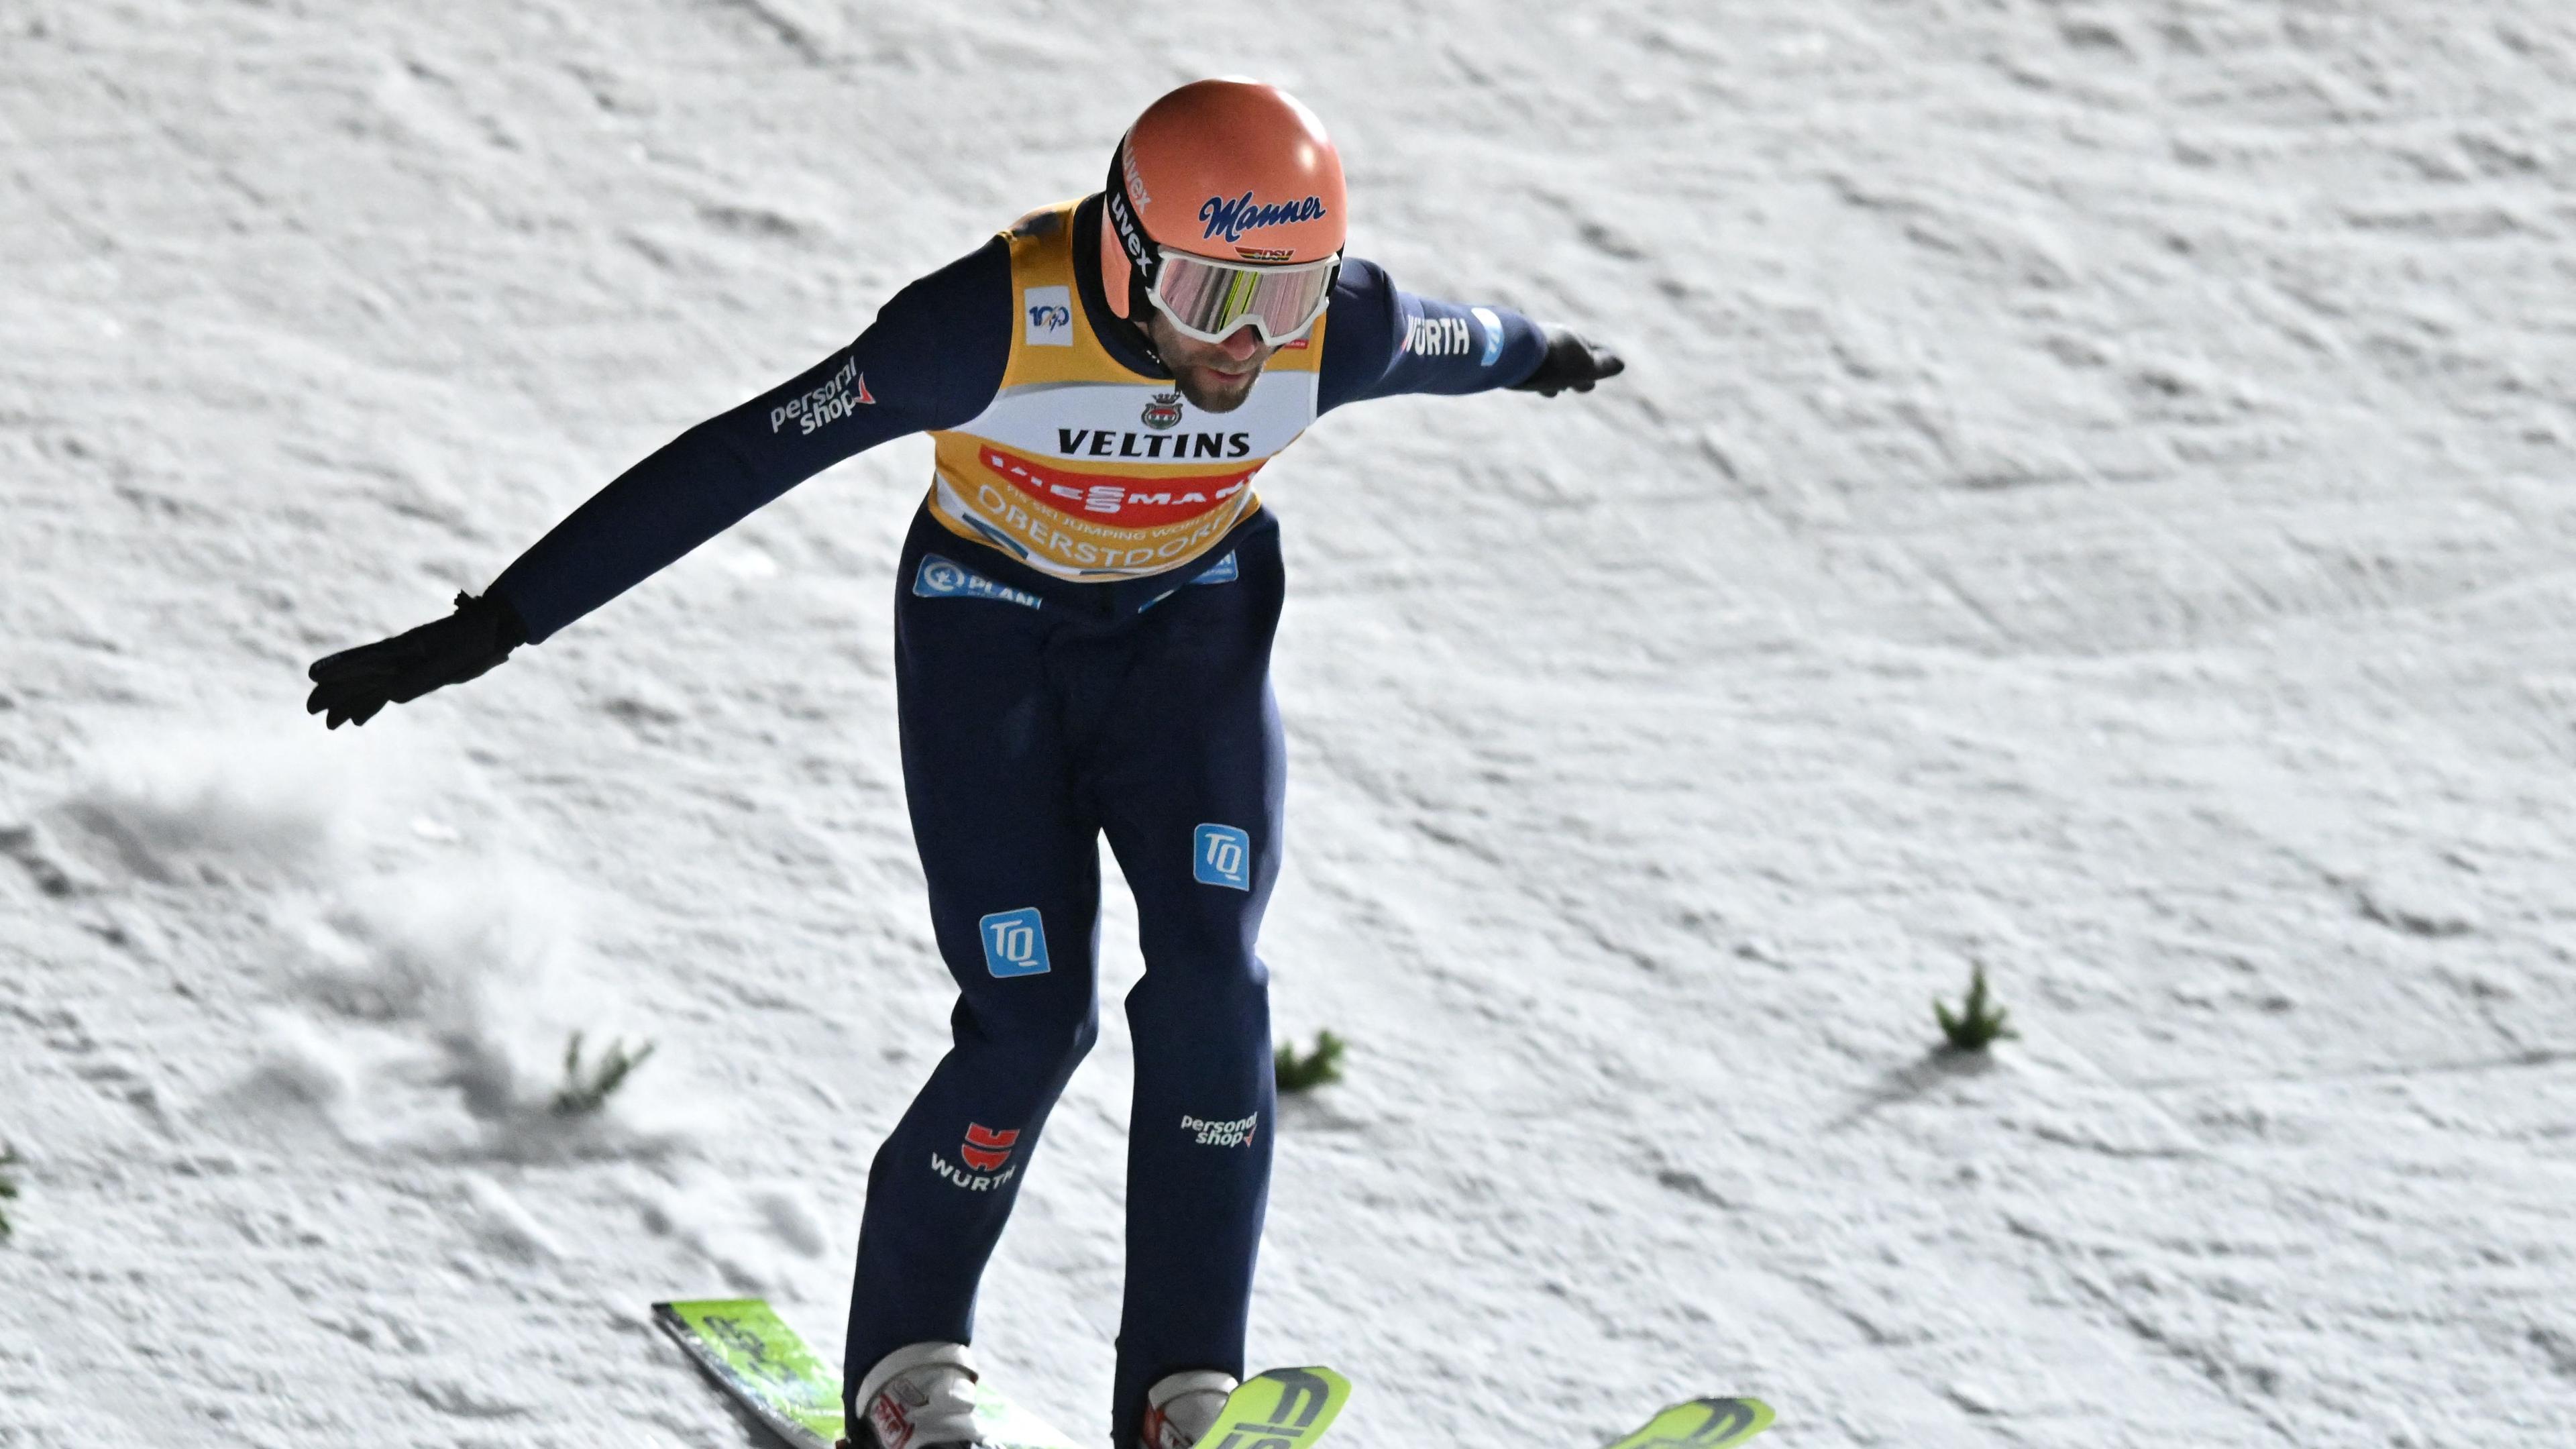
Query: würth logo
(986, 1150)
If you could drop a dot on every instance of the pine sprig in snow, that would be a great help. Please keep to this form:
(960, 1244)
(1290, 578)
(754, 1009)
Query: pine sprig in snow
(587, 1089)
(1979, 1022)
(1298, 1072)
(9, 1158)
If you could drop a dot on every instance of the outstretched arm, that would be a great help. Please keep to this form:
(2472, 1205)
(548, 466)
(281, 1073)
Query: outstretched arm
(932, 359)
(1380, 340)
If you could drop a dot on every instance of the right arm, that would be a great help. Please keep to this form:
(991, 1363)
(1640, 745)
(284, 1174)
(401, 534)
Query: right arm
(932, 359)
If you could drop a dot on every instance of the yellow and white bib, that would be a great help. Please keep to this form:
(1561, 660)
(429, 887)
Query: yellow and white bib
(1083, 469)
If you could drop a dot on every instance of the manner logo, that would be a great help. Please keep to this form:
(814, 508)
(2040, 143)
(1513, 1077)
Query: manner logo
(1223, 857)
(1014, 943)
(1049, 311)
(1231, 216)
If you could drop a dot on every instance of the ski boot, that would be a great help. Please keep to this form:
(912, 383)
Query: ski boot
(1180, 1407)
(921, 1396)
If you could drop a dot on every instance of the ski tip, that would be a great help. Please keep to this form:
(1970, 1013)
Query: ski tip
(1711, 1423)
(1285, 1405)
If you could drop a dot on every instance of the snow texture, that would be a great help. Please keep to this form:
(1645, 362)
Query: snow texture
(2092, 496)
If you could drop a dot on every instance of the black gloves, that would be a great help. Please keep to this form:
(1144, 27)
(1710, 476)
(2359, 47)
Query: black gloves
(1571, 362)
(355, 683)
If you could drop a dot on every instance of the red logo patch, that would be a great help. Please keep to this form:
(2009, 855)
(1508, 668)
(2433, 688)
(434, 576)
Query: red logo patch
(1115, 499)
(893, 1426)
(986, 1150)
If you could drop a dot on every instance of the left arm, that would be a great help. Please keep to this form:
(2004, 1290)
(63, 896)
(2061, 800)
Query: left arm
(1380, 341)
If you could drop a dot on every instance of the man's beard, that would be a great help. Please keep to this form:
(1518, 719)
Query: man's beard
(1205, 401)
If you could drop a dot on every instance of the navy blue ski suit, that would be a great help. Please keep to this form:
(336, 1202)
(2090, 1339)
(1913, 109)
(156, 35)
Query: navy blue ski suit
(1038, 715)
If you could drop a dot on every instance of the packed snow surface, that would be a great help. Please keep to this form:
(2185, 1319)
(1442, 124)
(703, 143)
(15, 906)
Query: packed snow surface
(2092, 497)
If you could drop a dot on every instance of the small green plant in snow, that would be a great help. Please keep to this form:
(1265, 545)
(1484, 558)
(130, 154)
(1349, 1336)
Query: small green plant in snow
(1978, 1023)
(586, 1087)
(1302, 1071)
(9, 1158)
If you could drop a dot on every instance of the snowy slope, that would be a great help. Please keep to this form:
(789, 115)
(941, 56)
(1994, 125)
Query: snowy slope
(2092, 497)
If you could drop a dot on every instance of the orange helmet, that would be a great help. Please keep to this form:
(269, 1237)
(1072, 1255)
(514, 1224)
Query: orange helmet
(1224, 208)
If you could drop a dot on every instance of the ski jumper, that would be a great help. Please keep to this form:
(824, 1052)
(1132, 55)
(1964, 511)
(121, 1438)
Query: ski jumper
(1085, 608)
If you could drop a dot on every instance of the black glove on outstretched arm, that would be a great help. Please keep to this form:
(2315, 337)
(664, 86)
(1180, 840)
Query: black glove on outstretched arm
(1571, 362)
(355, 683)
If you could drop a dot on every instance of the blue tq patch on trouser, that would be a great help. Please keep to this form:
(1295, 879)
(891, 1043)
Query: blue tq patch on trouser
(1014, 942)
(1223, 857)
(938, 578)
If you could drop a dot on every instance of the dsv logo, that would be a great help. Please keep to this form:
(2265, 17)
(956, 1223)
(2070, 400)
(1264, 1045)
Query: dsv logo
(1046, 317)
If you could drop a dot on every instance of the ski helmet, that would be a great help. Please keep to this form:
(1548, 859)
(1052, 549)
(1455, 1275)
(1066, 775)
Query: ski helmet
(1224, 208)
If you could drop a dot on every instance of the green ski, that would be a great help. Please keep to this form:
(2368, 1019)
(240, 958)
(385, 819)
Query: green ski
(1701, 1424)
(756, 1358)
(1279, 1409)
(764, 1366)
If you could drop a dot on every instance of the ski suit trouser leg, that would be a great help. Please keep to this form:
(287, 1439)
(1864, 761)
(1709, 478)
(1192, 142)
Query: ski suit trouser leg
(1029, 732)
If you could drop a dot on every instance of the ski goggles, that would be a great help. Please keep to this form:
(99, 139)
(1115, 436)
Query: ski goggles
(1210, 300)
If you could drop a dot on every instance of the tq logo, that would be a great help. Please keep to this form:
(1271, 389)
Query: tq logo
(1164, 411)
(986, 1150)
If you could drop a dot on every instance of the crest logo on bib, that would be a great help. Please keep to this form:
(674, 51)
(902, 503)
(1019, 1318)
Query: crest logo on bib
(1164, 411)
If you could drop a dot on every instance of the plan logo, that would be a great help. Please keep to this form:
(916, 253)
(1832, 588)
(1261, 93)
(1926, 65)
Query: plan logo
(1050, 314)
(938, 578)
(1014, 943)
(986, 1150)
(1223, 857)
(1163, 412)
